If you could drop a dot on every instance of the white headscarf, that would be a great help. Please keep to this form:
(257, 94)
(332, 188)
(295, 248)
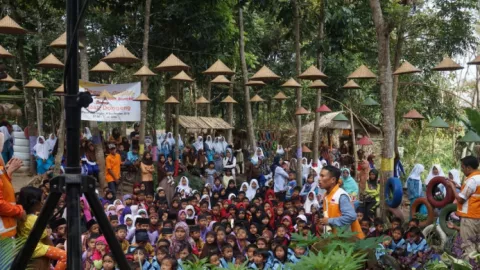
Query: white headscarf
(180, 142)
(185, 187)
(251, 192)
(241, 187)
(261, 156)
(217, 146)
(199, 143)
(308, 203)
(223, 143)
(430, 174)
(305, 167)
(170, 139)
(4, 130)
(42, 149)
(209, 142)
(415, 175)
(191, 208)
(456, 176)
(125, 221)
(206, 197)
(51, 142)
(87, 134)
(160, 140)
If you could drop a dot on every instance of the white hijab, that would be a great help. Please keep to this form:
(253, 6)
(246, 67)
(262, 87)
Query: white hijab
(430, 174)
(185, 187)
(308, 203)
(42, 149)
(180, 142)
(4, 130)
(209, 142)
(261, 156)
(251, 192)
(415, 175)
(87, 134)
(170, 139)
(206, 197)
(456, 176)
(51, 142)
(125, 221)
(241, 187)
(191, 208)
(223, 143)
(160, 140)
(217, 146)
(199, 143)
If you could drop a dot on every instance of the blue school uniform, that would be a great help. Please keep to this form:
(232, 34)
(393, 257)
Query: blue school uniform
(277, 264)
(399, 246)
(224, 263)
(156, 265)
(415, 247)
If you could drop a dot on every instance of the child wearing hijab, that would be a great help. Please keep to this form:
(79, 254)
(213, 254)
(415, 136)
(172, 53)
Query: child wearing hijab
(310, 185)
(146, 167)
(310, 201)
(350, 185)
(42, 153)
(414, 186)
(183, 187)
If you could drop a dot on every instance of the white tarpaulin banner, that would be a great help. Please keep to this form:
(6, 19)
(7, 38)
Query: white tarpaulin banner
(120, 109)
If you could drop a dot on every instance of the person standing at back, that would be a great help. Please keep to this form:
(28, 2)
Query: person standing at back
(112, 165)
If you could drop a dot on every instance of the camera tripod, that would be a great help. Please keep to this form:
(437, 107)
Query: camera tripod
(72, 183)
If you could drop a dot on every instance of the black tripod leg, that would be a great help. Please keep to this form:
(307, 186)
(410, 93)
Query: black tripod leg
(103, 222)
(22, 258)
(74, 233)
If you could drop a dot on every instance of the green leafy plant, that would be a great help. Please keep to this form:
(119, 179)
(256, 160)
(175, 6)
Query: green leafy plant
(333, 260)
(196, 264)
(231, 266)
(9, 248)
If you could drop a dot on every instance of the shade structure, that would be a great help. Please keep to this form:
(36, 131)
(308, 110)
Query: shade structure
(340, 117)
(14, 89)
(370, 102)
(202, 100)
(255, 83)
(8, 79)
(470, 136)
(406, 68)
(301, 111)
(171, 100)
(34, 84)
(351, 84)
(228, 99)
(280, 96)
(61, 42)
(144, 71)
(4, 53)
(362, 72)
(9, 26)
(312, 73)
(218, 68)
(106, 95)
(220, 79)
(121, 55)
(182, 76)
(323, 108)
(256, 98)
(438, 123)
(318, 84)
(365, 140)
(265, 74)
(413, 114)
(172, 63)
(59, 91)
(291, 83)
(102, 67)
(475, 61)
(447, 64)
(305, 149)
(142, 97)
(51, 62)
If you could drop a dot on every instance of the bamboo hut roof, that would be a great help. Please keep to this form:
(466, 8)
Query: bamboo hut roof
(351, 84)
(102, 67)
(312, 73)
(182, 76)
(322, 109)
(61, 42)
(171, 100)
(196, 123)
(120, 55)
(142, 97)
(172, 63)
(202, 100)
(291, 83)
(318, 84)
(9, 26)
(220, 79)
(265, 74)
(256, 98)
(280, 96)
(8, 79)
(447, 64)
(144, 71)
(218, 68)
(228, 99)
(34, 84)
(362, 72)
(51, 62)
(413, 114)
(60, 90)
(4, 53)
(301, 111)
(406, 68)
(14, 89)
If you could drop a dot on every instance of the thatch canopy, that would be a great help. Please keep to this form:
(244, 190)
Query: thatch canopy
(197, 123)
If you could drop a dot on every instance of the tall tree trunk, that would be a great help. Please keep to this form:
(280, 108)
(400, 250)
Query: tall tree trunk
(386, 91)
(248, 108)
(143, 104)
(39, 92)
(298, 70)
(96, 137)
(209, 96)
(230, 110)
(321, 36)
(396, 64)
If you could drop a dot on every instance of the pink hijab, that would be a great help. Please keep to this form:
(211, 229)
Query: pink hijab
(86, 209)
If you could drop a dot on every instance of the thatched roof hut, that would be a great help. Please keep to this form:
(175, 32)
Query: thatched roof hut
(199, 124)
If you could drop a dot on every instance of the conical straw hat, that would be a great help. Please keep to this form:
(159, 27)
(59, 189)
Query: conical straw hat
(362, 73)
(106, 95)
(265, 74)
(9, 26)
(50, 62)
(413, 114)
(475, 61)
(351, 84)
(61, 42)
(305, 149)
(220, 79)
(323, 108)
(470, 136)
(60, 90)
(438, 123)
(301, 111)
(406, 68)
(318, 84)
(171, 100)
(34, 84)
(14, 89)
(256, 98)
(340, 117)
(291, 83)
(4, 53)
(447, 64)
(120, 55)
(255, 83)
(228, 99)
(202, 100)
(102, 67)
(218, 68)
(280, 96)
(370, 102)
(142, 97)
(312, 73)
(172, 63)
(144, 72)
(182, 76)
(8, 79)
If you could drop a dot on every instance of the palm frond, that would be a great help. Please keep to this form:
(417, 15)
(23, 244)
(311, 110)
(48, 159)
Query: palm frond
(9, 248)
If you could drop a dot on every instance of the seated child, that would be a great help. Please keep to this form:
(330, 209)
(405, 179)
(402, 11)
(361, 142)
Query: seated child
(260, 258)
(414, 223)
(378, 223)
(140, 256)
(121, 234)
(416, 244)
(227, 256)
(161, 254)
(398, 245)
(396, 222)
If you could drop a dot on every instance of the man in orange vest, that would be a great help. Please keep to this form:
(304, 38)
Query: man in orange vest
(337, 205)
(9, 210)
(468, 205)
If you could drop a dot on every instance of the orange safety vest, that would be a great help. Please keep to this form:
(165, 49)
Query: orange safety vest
(8, 222)
(471, 208)
(331, 204)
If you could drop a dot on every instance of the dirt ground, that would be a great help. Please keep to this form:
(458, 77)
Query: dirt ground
(20, 180)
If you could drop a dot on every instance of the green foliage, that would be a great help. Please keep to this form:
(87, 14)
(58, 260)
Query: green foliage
(196, 264)
(473, 121)
(231, 266)
(9, 248)
(334, 260)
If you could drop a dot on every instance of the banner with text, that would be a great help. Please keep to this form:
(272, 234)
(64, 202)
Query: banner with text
(120, 109)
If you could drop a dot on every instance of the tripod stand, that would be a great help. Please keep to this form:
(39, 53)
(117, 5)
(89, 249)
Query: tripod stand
(73, 183)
